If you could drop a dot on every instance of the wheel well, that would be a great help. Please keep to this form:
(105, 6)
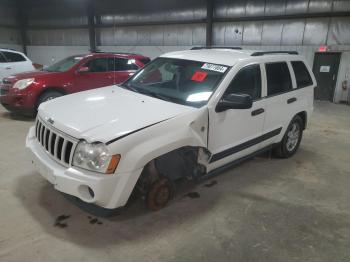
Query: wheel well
(49, 89)
(303, 116)
(174, 165)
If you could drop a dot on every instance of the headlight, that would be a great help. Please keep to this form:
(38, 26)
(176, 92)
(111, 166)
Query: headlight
(95, 157)
(24, 83)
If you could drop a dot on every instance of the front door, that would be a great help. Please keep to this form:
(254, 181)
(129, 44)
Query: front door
(325, 68)
(234, 132)
(101, 73)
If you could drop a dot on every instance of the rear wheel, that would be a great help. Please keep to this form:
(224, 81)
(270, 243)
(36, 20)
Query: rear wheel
(291, 140)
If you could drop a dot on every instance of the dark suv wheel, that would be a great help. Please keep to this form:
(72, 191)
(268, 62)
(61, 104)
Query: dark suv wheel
(291, 140)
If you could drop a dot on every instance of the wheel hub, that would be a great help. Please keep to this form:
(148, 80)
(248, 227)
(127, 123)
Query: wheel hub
(293, 137)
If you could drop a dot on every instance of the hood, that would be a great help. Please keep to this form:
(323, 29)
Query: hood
(107, 113)
(30, 74)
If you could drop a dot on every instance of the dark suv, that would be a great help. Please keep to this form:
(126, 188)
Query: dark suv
(24, 92)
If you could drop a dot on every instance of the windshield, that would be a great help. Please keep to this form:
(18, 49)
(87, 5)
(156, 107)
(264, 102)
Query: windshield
(180, 81)
(63, 65)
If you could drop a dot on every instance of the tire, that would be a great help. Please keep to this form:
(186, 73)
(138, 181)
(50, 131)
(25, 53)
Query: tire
(159, 194)
(291, 139)
(47, 96)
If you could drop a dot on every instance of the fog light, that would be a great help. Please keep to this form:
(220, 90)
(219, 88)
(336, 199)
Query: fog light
(91, 192)
(86, 193)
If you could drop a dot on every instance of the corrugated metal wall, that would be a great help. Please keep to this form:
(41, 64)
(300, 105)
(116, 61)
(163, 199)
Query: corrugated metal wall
(311, 31)
(9, 34)
(240, 22)
(153, 27)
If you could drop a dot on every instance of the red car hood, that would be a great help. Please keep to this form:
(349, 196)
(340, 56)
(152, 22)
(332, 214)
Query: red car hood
(30, 74)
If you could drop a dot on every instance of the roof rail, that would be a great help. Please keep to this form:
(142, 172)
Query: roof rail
(116, 53)
(7, 48)
(261, 53)
(216, 47)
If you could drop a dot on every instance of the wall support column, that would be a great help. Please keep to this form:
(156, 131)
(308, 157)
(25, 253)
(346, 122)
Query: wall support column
(209, 25)
(22, 23)
(91, 25)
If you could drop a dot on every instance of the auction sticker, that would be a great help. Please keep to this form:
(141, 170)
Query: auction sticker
(213, 67)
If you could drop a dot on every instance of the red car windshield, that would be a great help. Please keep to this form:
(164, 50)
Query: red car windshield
(64, 64)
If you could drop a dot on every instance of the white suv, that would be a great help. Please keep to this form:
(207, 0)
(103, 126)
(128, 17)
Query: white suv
(13, 62)
(186, 114)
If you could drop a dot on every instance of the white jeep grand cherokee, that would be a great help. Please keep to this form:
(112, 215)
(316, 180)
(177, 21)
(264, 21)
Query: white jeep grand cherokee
(186, 114)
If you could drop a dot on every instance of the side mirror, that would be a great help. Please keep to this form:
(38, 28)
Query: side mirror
(234, 101)
(83, 69)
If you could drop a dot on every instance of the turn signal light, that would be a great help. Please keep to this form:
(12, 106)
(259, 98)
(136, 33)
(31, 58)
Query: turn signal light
(113, 164)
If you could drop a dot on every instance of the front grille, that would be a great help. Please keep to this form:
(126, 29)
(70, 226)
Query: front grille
(3, 91)
(58, 145)
(6, 81)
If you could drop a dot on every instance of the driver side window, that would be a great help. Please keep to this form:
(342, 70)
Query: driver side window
(247, 81)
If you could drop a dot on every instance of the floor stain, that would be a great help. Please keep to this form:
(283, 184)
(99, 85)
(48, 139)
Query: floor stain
(192, 195)
(60, 221)
(94, 221)
(211, 183)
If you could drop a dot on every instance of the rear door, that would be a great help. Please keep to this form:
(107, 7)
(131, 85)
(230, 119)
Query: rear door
(124, 68)
(234, 133)
(16, 63)
(281, 101)
(3, 65)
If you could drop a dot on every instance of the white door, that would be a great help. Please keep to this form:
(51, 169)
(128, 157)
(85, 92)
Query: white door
(280, 101)
(235, 133)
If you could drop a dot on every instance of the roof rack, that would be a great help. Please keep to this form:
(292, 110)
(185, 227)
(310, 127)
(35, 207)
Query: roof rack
(261, 53)
(216, 47)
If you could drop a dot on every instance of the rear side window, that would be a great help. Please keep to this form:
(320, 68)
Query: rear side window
(278, 78)
(301, 74)
(13, 57)
(247, 81)
(122, 64)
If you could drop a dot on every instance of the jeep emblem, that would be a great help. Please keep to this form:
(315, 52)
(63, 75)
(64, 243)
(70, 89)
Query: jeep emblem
(51, 121)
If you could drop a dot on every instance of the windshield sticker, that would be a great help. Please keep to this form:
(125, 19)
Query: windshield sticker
(216, 68)
(199, 76)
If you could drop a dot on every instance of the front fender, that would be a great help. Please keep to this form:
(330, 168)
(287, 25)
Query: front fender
(138, 149)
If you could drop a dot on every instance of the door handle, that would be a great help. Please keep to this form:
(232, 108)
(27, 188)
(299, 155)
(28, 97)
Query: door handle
(258, 112)
(291, 100)
(8, 68)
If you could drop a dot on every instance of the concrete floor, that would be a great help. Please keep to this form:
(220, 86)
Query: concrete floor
(263, 210)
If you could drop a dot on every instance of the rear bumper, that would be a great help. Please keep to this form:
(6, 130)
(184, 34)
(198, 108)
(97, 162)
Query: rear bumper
(108, 191)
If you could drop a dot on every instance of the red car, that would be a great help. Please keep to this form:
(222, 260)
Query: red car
(23, 93)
